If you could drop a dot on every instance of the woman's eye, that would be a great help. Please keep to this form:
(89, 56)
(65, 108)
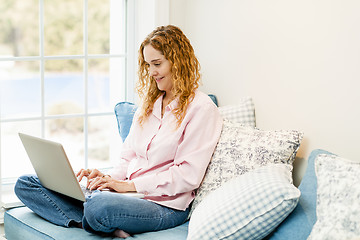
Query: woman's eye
(157, 64)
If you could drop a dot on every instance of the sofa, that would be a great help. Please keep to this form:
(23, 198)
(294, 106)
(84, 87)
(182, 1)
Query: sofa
(247, 191)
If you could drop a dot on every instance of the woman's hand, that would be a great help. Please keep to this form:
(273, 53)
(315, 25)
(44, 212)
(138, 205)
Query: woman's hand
(89, 174)
(107, 182)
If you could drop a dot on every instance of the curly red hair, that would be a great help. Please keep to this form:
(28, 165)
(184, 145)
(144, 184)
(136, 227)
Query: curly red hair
(176, 48)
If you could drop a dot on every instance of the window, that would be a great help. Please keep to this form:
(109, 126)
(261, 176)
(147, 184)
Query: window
(64, 64)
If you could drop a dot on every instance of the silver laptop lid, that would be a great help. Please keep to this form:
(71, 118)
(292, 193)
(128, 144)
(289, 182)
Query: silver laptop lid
(52, 166)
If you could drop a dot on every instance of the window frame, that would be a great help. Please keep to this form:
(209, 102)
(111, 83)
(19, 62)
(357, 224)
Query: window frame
(126, 95)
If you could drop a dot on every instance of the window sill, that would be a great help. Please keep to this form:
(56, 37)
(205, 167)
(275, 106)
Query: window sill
(8, 200)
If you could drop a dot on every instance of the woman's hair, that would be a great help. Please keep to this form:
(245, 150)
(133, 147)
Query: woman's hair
(185, 67)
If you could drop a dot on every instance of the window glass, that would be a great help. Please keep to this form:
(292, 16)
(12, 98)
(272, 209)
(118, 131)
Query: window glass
(99, 85)
(55, 85)
(63, 27)
(19, 24)
(14, 160)
(117, 75)
(106, 27)
(98, 22)
(20, 89)
(103, 144)
(64, 87)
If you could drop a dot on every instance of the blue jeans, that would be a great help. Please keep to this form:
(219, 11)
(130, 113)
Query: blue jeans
(103, 212)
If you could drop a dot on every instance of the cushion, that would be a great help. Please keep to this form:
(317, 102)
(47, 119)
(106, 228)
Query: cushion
(247, 207)
(243, 113)
(214, 99)
(21, 223)
(338, 204)
(241, 149)
(298, 225)
(124, 112)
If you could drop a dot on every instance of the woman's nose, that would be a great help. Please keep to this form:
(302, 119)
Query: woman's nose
(153, 72)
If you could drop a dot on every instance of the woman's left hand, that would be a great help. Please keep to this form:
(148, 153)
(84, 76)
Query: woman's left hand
(107, 182)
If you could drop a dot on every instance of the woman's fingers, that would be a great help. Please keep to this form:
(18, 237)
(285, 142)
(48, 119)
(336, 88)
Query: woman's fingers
(103, 186)
(107, 182)
(95, 183)
(82, 173)
(89, 174)
(101, 183)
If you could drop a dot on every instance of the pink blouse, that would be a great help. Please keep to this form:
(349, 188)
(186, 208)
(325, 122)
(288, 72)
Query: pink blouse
(167, 163)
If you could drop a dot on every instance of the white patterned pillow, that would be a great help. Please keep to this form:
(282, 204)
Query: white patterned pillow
(243, 113)
(247, 207)
(241, 149)
(338, 198)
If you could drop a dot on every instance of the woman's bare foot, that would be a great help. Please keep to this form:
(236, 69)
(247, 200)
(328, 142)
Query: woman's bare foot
(121, 234)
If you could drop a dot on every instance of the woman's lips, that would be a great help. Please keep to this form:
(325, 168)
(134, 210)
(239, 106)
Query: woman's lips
(158, 79)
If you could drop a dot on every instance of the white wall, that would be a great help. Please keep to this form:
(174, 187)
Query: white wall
(299, 60)
(149, 15)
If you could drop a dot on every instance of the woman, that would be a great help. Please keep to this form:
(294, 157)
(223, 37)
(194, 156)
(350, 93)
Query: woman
(165, 155)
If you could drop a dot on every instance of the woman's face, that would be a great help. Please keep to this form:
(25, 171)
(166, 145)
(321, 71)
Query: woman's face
(159, 68)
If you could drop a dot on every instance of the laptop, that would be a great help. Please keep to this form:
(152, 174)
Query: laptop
(54, 169)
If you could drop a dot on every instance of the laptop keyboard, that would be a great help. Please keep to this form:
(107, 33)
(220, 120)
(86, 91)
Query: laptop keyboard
(87, 192)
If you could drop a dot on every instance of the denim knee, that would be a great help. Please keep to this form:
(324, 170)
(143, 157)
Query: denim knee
(97, 208)
(25, 182)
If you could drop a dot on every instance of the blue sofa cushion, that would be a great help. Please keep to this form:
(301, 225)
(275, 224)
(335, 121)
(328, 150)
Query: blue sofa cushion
(214, 99)
(21, 223)
(298, 225)
(124, 112)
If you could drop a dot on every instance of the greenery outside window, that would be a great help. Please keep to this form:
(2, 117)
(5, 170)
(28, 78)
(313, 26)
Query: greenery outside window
(64, 64)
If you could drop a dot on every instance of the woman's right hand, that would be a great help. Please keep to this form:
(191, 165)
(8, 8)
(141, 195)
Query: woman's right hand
(89, 174)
